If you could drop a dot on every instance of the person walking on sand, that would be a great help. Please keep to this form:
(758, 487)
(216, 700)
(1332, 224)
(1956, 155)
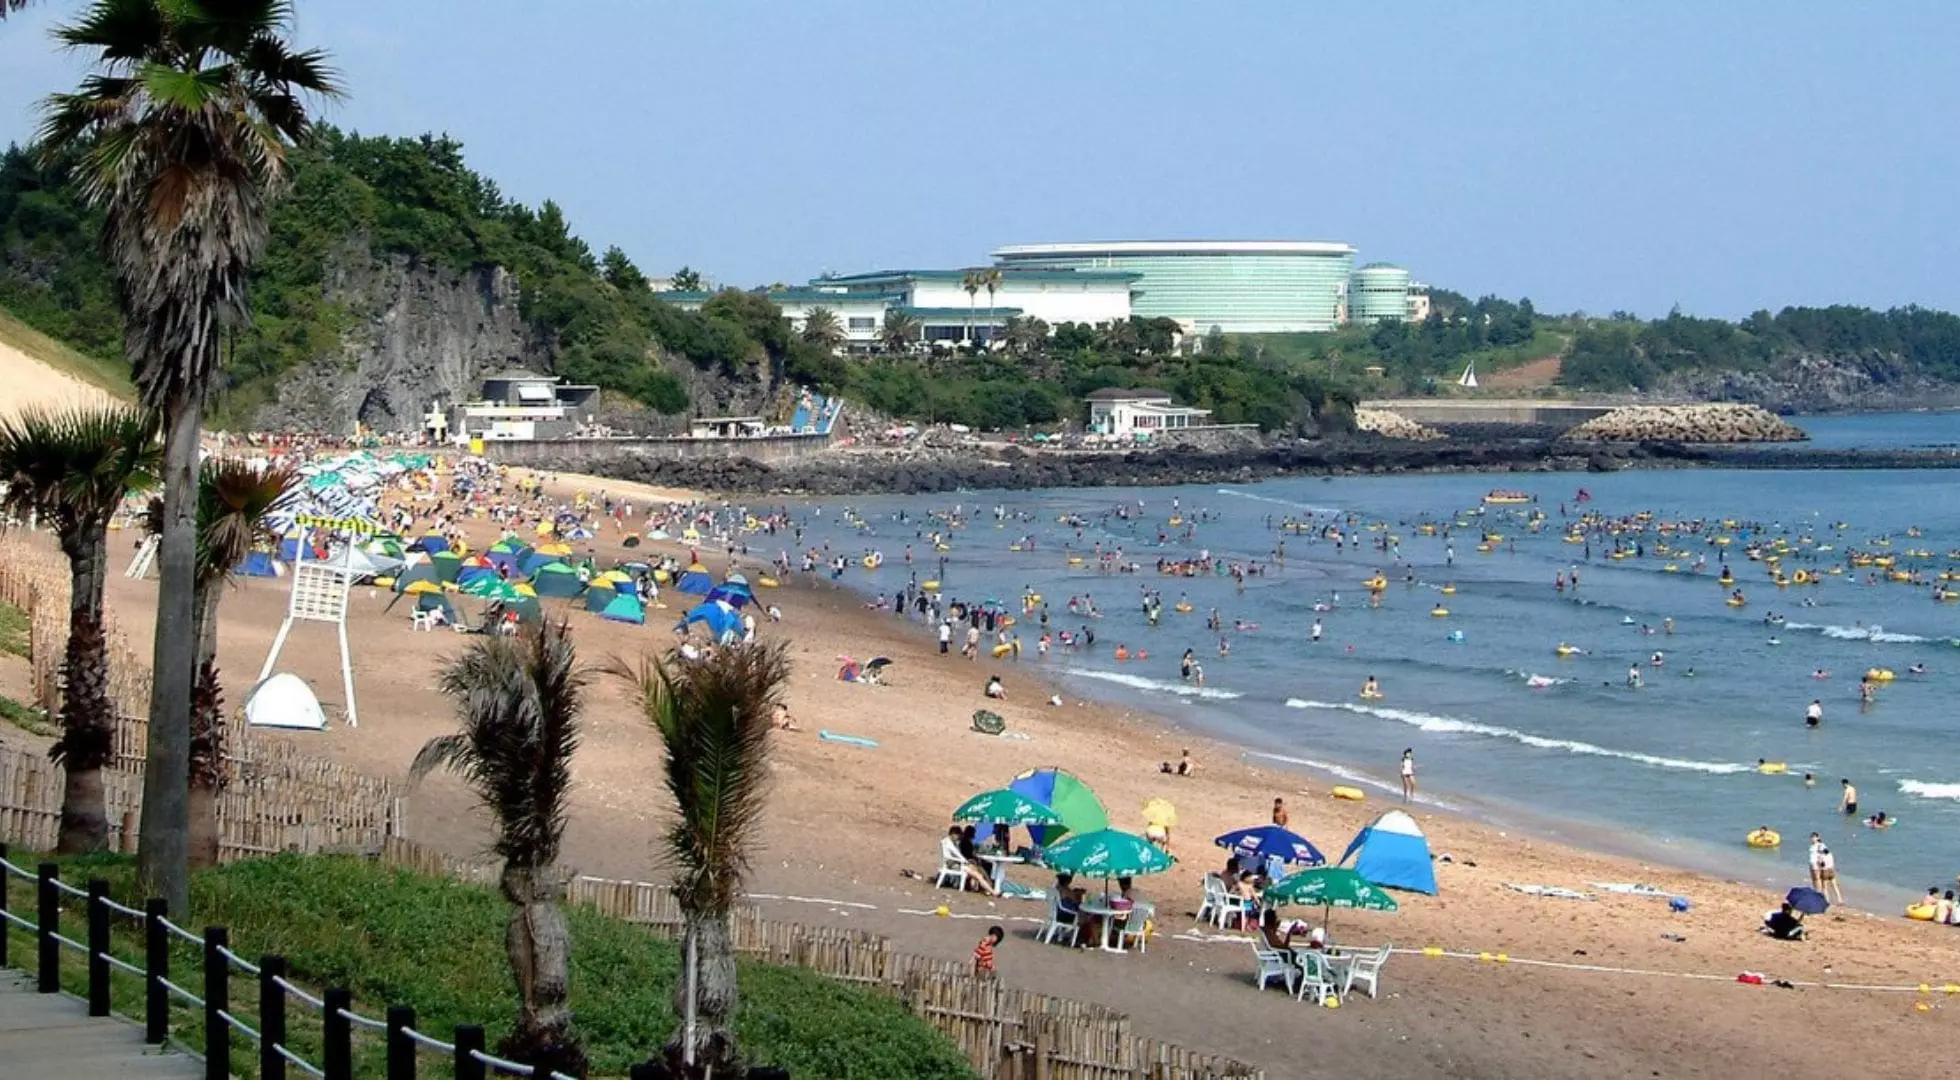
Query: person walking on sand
(1817, 850)
(1280, 816)
(1827, 878)
(1408, 774)
(983, 953)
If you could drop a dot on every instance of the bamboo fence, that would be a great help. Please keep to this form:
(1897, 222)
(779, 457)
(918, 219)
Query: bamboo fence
(1006, 1033)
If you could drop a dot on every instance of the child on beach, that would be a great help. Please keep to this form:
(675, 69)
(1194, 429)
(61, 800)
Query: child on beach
(983, 953)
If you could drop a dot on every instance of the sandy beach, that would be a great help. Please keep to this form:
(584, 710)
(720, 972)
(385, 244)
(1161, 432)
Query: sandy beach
(846, 821)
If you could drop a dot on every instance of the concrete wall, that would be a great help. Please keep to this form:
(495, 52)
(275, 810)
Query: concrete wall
(567, 453)
(1492, 411)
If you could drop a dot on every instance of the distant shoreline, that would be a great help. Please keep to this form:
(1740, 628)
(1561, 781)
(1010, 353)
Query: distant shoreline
(982, 467)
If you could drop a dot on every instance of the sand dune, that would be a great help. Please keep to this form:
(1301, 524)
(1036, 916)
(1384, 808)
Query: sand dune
(32, 384)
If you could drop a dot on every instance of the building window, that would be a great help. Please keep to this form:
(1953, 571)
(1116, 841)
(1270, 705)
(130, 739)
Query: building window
(863, 322)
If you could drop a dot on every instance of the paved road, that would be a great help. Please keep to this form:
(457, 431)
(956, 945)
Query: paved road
(52, 1035)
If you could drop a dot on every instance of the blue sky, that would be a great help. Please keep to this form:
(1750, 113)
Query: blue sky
(1722, 156)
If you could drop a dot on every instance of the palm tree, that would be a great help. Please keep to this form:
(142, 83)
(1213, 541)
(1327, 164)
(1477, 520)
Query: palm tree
(991, 279)
(181, 133)
(72, 470)
(820, 327)
(900, 330)
(971, 283)
(1025, 334)
(520, 700)
(714, 716)
(233, 499)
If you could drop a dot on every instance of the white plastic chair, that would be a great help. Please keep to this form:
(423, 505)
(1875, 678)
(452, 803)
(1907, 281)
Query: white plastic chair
(1133, 928)
(1272, 963)
(951, 866)
(1316, 977)
(1367, 968)
(1221, 904)
(1214, 894)
(1060, 921)
(422, 620)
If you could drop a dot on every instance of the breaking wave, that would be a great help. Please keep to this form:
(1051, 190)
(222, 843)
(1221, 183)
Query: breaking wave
(1162, 686)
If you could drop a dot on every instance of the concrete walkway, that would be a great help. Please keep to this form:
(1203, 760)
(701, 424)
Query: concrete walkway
(52, 1035)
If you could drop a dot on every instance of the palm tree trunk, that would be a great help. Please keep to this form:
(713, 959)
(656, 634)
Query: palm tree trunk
(87, 715)
(207, 749)
(539, 945)
(163, 855)
(715, 997)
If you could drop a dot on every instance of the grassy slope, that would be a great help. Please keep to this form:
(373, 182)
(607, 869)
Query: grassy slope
(394, 937)
(107, 374)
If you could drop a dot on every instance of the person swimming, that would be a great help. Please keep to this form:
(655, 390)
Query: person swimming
(1880, 821)
(1820, 673)
(1371, 688)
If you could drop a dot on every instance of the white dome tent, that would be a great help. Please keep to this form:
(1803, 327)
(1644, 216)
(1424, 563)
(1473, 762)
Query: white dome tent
(284, 701)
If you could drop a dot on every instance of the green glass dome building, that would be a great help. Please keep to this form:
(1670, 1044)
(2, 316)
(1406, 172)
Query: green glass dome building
(1238, 286)
(1379, 292)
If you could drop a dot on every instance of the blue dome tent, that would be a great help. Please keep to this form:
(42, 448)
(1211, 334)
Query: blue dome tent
(721, 620)
(695, 581)
(1392, 851)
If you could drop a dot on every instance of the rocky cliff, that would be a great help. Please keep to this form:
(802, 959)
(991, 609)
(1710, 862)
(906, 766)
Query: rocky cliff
(416, 334)
(1813, 383)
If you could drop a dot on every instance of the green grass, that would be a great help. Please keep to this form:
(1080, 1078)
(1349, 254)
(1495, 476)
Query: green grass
(14, 631)
(26, 717)
(110, 375)
(393, 937)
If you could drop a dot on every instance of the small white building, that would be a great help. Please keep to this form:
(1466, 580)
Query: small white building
(1114, 411)
(519, 404)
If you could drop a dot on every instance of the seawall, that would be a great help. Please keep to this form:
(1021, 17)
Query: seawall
(578, 454)
(1562, 414)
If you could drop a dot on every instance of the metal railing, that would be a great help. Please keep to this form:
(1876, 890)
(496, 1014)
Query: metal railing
(268, 1030)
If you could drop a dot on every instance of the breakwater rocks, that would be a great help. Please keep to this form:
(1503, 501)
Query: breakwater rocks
(1011, 467)
(1391, 425)
(1688, 424)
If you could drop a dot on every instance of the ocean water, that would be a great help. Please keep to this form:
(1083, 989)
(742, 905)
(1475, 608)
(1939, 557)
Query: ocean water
(1502, 726)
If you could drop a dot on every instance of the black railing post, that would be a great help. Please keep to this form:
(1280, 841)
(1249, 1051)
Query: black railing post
(156, 969)
(401, 1048)
(98, 947)
(49, 918)
(217, 1001)
(469, 1037)
(272, 1018)
(6, 928)
(337, 1035)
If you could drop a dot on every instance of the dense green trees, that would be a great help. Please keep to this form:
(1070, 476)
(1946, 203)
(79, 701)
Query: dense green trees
(1622, 355)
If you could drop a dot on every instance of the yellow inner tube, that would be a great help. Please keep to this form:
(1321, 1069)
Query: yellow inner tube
(1376, 695)
(1351, 794)
(1764, 838)
(1880, 675)
(929, 586)
(1449, 590)
(1183, 608)
(1922, 912)
(1439, 612)
(767, 582)
(1376, 583)
(1772, 768)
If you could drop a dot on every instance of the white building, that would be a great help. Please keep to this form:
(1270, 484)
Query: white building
(519, 404)
(942, 306)
(1114, 411)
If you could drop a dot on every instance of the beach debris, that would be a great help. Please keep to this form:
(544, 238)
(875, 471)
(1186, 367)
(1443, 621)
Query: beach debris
(828, 735)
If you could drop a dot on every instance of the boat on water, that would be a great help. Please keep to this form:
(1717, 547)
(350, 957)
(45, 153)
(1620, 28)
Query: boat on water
(1501, 497)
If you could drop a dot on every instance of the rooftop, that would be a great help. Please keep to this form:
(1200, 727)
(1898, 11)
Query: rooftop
(1124, 393)
(519, 375)
(1007, 273)
(1173, 247)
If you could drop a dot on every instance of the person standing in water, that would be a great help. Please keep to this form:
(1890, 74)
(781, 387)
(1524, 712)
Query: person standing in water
(1814, 715)
(1849, 801)
(1314, 634)
(1408, 774)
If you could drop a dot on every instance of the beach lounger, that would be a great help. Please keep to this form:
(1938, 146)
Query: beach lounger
(1274, 963)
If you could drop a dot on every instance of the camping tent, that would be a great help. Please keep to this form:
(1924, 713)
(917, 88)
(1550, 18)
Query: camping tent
(557, 580)
(436, 601)
(258, 564)
(1392, 851)
(626, 608)
(284, 701)
(721, 619)
(696, 581)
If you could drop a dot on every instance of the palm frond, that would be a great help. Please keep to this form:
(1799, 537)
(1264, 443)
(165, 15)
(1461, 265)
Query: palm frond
(714, 717)
(73, 467)
(233, 499)
(520, 701)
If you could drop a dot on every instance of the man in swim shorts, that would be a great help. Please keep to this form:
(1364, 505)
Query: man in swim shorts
(1849, 803)
(1814, 715)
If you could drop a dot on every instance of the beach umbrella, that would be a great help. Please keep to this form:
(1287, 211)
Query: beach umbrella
(492, 588)
(1159, 812)
(1330, 887)
(447, 563)
(1065, 793)
(1106, 853)
(1002, 806)
(1808, 901)
(1271, 841)
(421, 588)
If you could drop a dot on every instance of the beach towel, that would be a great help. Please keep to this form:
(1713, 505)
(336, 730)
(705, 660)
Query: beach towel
(1628, 889)
(1550, 891)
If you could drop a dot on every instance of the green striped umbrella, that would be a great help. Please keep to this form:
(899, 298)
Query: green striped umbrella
(1106, 853)
(1004, 807)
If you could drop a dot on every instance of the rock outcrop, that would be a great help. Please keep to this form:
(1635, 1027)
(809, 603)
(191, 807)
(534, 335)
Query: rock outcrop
(1392, 425)
(416, 334)
(1688, 424)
